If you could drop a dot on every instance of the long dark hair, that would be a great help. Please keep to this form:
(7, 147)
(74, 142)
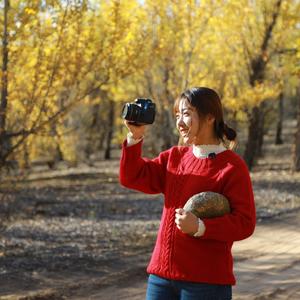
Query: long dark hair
(207, 101)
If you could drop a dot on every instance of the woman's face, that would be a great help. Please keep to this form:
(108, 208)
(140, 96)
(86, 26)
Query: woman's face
(192, 128)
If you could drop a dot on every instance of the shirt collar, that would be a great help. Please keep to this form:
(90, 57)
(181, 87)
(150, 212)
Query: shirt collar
(202, 151)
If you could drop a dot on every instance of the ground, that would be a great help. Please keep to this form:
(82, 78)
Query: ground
(267, 265)
(77, 234)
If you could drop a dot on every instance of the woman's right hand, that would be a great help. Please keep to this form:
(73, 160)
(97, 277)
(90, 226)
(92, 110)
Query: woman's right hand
(136, 131)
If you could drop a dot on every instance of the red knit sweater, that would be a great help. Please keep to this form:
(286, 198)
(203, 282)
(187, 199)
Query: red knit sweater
(178, 174)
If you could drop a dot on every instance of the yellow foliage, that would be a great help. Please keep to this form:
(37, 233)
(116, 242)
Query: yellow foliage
(253, 96)
(30, 11)
(127, 49)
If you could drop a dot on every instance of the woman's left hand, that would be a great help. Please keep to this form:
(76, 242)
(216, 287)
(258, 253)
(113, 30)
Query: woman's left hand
(186, 221)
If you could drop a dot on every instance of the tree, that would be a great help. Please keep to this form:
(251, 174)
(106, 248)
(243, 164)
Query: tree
(278, 136)
(4, 142)
(175, 59)
(36, 69)
(296, 146)
(258, 64)
(296, 150)
(252, 43)
(74, 63)
(68, 52)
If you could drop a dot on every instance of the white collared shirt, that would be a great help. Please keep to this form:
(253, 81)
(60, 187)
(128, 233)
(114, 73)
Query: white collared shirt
(202, 151)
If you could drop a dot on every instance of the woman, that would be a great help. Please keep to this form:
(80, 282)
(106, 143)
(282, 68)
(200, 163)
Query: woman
(192, 257)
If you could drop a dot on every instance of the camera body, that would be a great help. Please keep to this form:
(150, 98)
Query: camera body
(140, 112)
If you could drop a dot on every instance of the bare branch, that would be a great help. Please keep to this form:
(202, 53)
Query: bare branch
(56, 62)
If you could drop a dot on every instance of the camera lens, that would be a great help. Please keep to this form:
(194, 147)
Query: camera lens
(125, 111)
(141, 112)
(131, 112)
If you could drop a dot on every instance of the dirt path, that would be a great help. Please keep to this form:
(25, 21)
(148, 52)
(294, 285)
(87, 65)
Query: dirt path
(267, 265)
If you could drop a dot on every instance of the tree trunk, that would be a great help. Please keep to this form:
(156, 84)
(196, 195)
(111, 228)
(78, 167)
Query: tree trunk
(167, 132)
(90, 147)
(234, 121)
(251, 146)
(59, 154)
(168, 136)
(110, 132)
(258, 67)
(255, 133)
(278, 138)
(296, 150)
(4, 143)
(101, 142)
(26, 157)
(261, 129)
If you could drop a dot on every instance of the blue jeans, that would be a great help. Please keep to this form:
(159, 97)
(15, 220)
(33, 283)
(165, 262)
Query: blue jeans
(165, 289)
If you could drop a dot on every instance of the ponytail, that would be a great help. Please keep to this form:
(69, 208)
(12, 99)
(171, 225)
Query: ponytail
(223, 130)
(229, 132)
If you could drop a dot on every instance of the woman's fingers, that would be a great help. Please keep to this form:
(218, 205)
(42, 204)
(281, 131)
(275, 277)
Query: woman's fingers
(180, 215)
(178, 220)
(136, 131)
(186, 221)
(180, 211)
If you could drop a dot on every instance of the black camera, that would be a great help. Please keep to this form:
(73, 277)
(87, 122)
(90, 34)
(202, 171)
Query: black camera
(140, 112)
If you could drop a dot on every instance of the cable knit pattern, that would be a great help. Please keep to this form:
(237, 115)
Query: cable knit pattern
(179, 174)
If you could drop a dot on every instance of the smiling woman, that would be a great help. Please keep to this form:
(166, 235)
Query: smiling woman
(192, 257)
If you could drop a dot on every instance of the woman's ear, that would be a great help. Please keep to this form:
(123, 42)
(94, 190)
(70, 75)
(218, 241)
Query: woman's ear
(210, 119)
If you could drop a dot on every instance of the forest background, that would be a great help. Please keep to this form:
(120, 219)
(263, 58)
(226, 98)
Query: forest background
(69, 66)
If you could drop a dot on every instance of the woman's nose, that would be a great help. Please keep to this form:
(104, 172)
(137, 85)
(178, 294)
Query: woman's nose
(180, 121)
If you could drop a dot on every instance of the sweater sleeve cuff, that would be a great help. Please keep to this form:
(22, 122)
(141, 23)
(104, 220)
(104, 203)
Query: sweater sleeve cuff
(201, 228)
(133, 151)
(131, 141)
